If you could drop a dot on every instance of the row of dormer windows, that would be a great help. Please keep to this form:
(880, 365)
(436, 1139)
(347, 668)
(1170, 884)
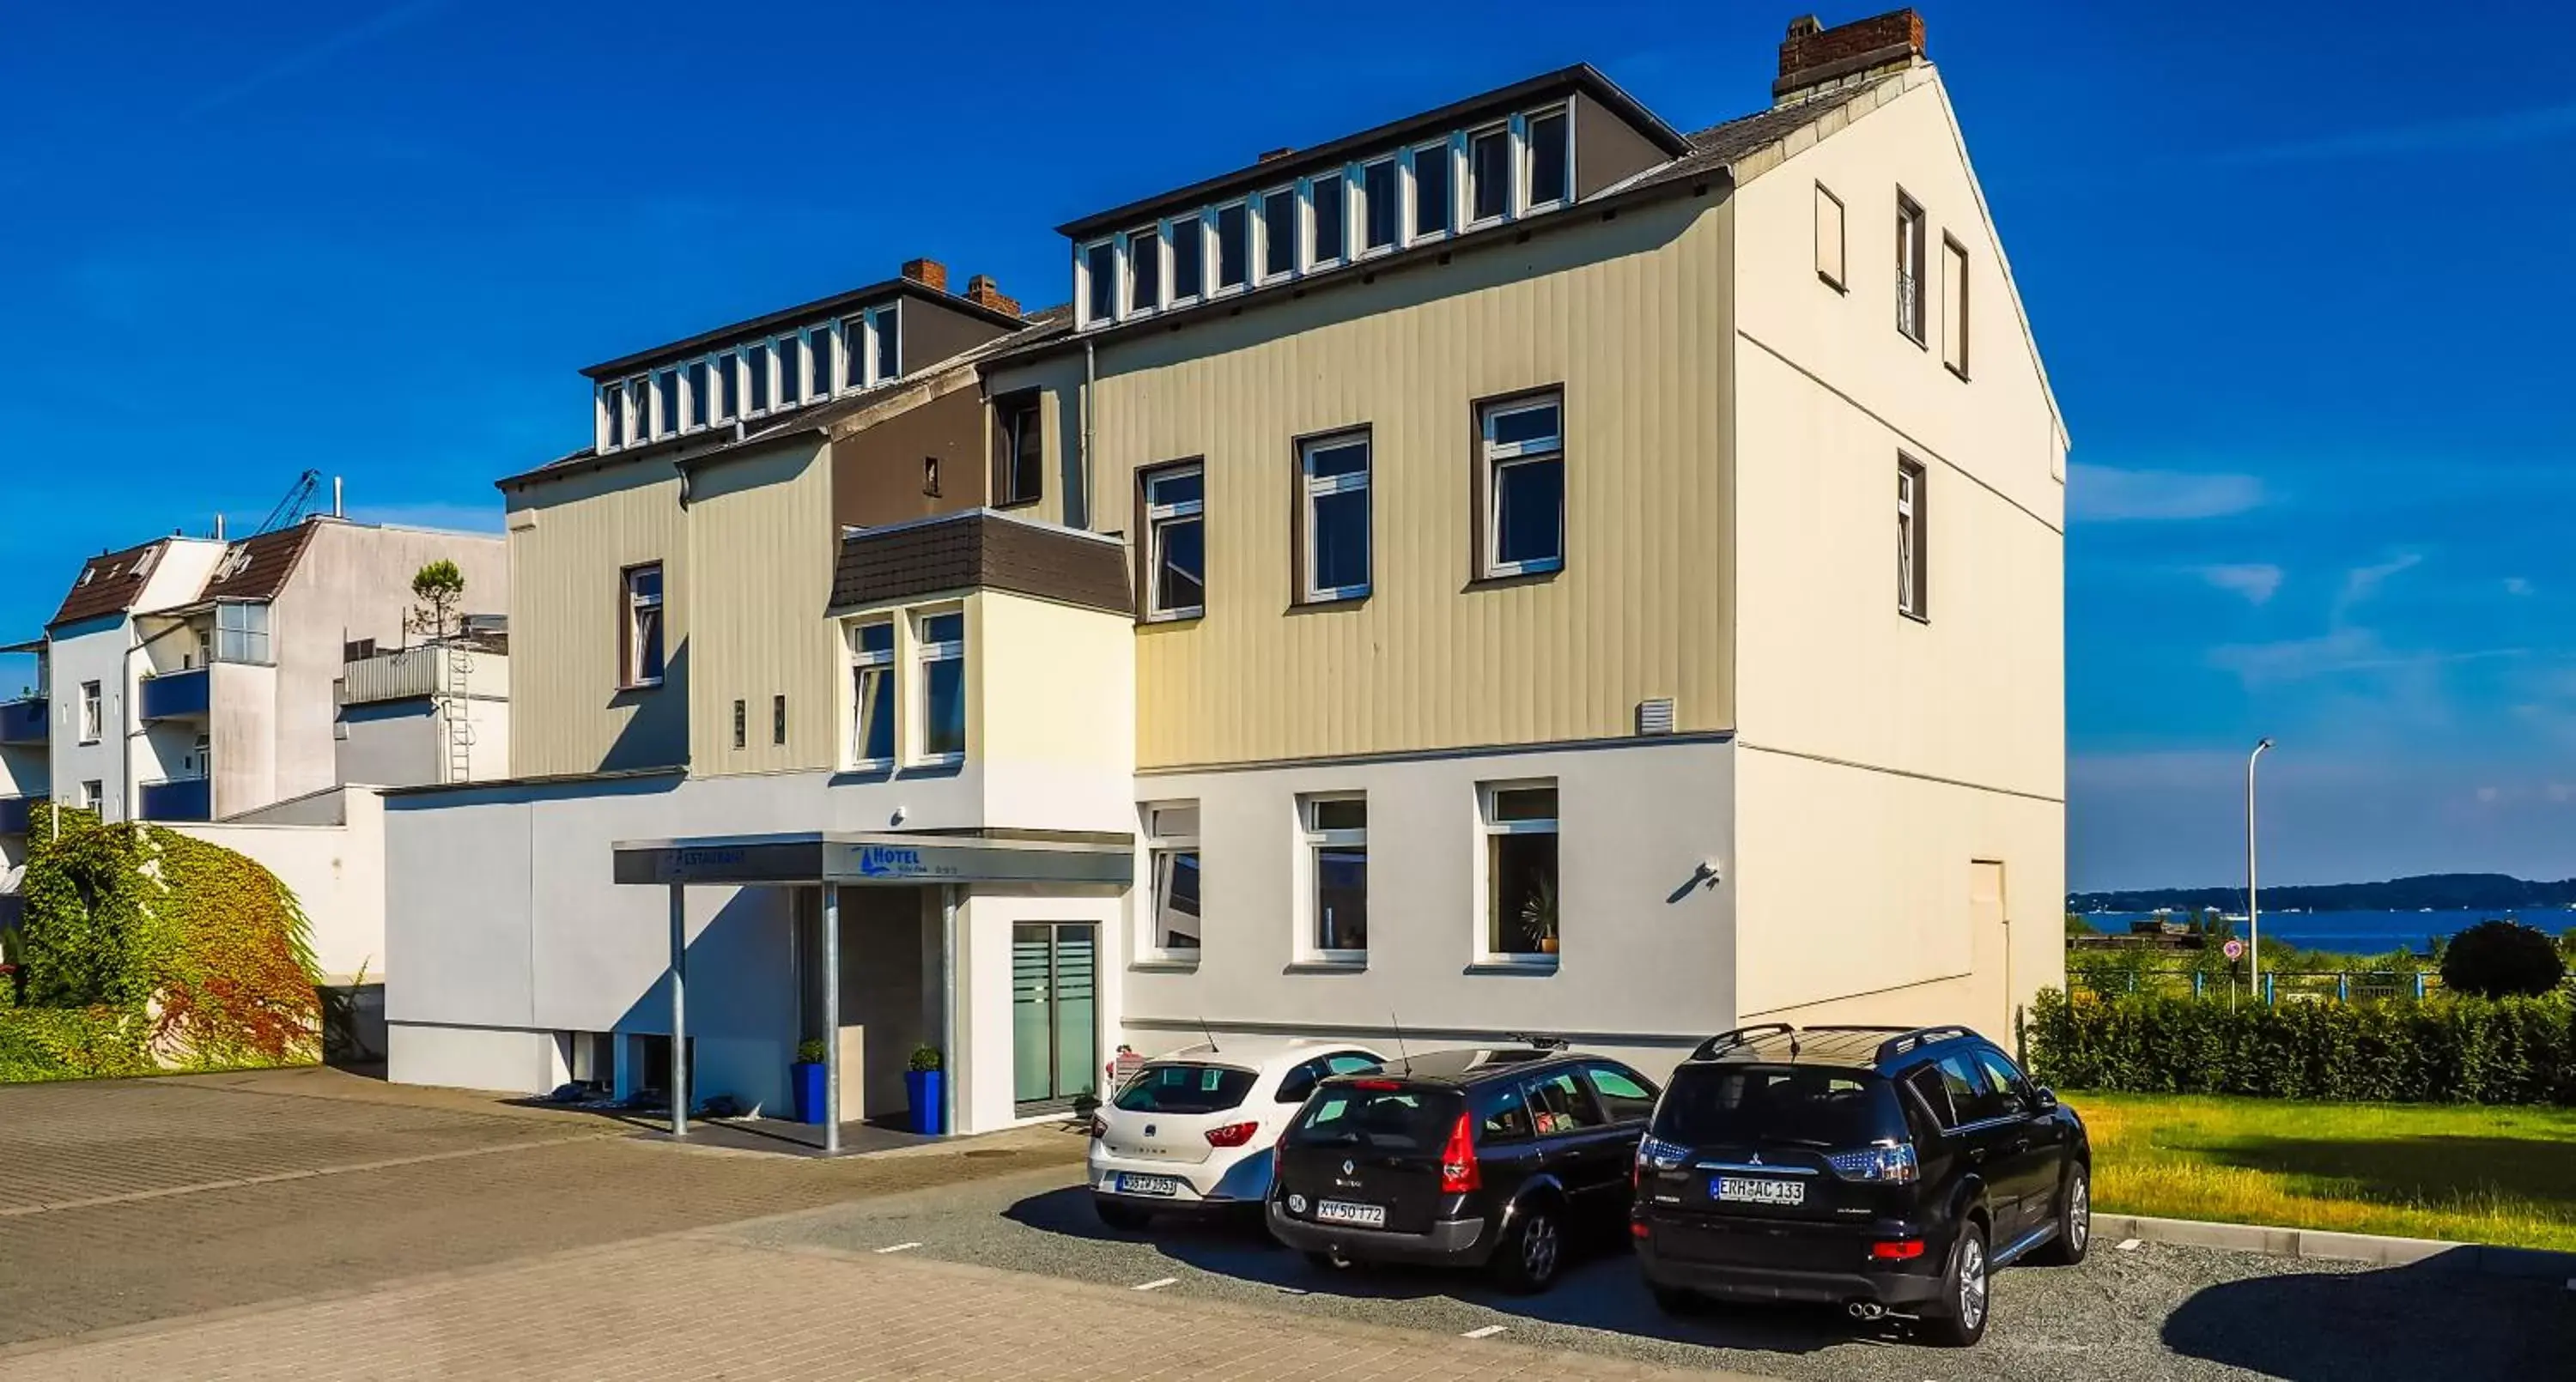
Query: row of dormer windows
(755, 379)
(1466, 180)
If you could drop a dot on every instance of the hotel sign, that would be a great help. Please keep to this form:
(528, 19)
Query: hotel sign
(885, 861)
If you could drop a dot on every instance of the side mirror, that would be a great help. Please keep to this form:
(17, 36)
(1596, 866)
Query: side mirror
(2047, 1099)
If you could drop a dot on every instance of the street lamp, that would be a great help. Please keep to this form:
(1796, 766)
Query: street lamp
(2253, 908)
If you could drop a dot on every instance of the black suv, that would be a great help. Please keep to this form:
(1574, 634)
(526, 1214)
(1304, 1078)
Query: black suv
(1892, 1170)
(1465, 1158)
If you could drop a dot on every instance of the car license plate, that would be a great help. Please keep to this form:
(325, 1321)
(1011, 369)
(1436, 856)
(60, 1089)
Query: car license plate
(1343, 1212)
(1747, 1190)
(1147, 1185)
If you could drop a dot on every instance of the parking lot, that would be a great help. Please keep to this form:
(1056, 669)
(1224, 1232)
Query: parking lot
(2150, 1312)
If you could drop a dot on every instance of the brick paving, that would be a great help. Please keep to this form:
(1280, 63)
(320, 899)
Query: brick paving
(689, 1306)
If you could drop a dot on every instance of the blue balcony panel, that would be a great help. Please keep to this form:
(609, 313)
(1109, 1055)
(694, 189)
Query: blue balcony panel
(177, 695)
(15, 813)
(25, 721)
(185, 799)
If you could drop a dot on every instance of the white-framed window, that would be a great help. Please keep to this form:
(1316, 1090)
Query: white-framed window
(241, 632)
(1175, 502)
(640, 653)
(885, 343)
(1169, 910)
(93, 716)
(612, 416)
(1144, 269)
(1381, 206)
(694, 386)
(1909, 268)
(728, 383)
(940, 651)
(1518, 820)
(756, 383)
(1097, 266)
(93, 791)
(639, 411)
(1185, 244)
(1279, 218)
(872, 681)
(1019, 448)
(666, 403)
(1829, 238)
(1522, 475)
(1433, 204)
(822, 356)
(1328, 220)
(1547, 168)
(1336, 846)
(1913, 550)
(1333, 474)
(1231, 228)
(790, 355)
(1954, 305)
(1489, 174)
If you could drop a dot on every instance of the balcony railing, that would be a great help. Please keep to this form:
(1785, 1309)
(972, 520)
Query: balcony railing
(179, 799)
(26, 720)
(16, 813)
(183, 695)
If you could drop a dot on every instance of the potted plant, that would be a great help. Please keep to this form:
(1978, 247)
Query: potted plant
(1538, 914)
(807, 1077)
(921, 1089)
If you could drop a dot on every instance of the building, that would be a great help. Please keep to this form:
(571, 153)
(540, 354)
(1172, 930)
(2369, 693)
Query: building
(1444, 579)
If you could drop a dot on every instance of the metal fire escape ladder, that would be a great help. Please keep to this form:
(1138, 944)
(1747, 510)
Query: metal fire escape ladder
(460, 723)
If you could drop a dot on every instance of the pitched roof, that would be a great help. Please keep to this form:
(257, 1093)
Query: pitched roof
(109, 583)
(256, 568)
(1719, 147)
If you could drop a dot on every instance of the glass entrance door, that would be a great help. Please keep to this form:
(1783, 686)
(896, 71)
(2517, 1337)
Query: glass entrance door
(1055, 1014)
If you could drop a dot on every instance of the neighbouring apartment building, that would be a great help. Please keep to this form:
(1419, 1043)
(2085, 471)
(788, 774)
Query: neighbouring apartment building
(1519, 568)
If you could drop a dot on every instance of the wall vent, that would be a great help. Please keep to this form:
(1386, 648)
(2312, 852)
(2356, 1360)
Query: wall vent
(1655, 716)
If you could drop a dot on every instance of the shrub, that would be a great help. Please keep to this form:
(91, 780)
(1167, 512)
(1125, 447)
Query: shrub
(2497, 959)
(2451, 1050)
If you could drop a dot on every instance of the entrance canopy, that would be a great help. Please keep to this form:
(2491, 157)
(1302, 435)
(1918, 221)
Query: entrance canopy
(897, 858)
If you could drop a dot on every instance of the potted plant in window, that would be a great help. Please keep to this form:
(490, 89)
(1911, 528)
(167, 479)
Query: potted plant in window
(1538, 914)
(807, 1080)
(921, 1090)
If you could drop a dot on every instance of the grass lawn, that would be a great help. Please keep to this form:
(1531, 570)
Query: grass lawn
(2461, 1172)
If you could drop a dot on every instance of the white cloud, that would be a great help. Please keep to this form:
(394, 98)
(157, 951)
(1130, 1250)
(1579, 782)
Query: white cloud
(2107, 494)
(2362, 582)
(2256, 581)
(2517, 585)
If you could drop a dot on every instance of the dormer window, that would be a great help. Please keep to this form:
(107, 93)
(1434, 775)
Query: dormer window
(1233, 246)
(1489, 174)
(791, 371)
(1100, 281)
(1144, 269)
(612, 416)
(1331, 224)
(1551, 159)
(728, 381)
(887, 323)
(1185, 241)
(1380, 221)
(1432, 201)
(755, 368)
(697, 394)
(666, 403)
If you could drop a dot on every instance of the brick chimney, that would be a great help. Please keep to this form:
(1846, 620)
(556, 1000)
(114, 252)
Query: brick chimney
(982, 291)
(932, 274)
(1814, 58)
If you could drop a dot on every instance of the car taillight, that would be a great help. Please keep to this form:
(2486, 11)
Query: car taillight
(1902, 1250)
(1458, 1173)
(1889, 1163)
(1232, 1134)
(1099, 1126)
(1655, 1154)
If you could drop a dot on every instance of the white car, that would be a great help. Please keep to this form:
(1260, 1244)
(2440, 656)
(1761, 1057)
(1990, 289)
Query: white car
(1191, 1132)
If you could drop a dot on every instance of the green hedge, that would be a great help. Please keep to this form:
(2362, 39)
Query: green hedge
(2451, 1050)
(70, 1044)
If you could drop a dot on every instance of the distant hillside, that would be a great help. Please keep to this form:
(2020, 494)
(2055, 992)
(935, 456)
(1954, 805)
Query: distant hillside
(2471, 891)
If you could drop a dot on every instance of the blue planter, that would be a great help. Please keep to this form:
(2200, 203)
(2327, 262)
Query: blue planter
(922, 1090)
(807, 1078)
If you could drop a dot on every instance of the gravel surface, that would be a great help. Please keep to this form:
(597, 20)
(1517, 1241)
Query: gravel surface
(2155, 1312)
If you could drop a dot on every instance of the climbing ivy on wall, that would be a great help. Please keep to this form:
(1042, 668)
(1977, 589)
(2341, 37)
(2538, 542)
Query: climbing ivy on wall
(172, 952)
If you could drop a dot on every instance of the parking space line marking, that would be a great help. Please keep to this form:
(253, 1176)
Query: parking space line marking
(1160, 1284)
(2130, 1244)
(1487, 1332)
(899, 1247)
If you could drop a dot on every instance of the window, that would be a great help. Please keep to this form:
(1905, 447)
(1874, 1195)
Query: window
(1909, 268)
(1625, 1096)
(872, 693)
(1431, 191)
(755, 367)
(93, 792)
(741, 725)
(1954, 306)
(887, 324)
(778, 719)
(1175, 542)
(1337, 873)
(697, 394)
(1233, 246)
(93, 718)
(1913, 555)
(1489, 174)
(930, 476)
(943, 686)
(1099, 281)
(1297, 1084)
(791, 372)
(1144, 269)
(1331, 213)
(241, 633)
(1185, 238)
(1185, 1089)
(1829, 238)
(666, 403)
(1502, 1113)
(1278, 232)
(1019, 449)
(612, 424)
(1380, 210)
(1560, 1104)
(1523, 475)
(1551, 159)
(1172, 901)
(641, 662)
(1520, 871)
(728, 387)
(821, 355)
(1972, 1100)
(1334, 511)
(2011, 1091)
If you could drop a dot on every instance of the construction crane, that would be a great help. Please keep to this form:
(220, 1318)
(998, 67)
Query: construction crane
(290, 510)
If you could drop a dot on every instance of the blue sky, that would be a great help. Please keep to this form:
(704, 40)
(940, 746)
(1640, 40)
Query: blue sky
(2301, 273)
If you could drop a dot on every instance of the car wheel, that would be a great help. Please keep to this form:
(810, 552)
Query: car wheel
(1126, 1218)
(2074, 1220)
(1527, 1259)
(1960, 1320)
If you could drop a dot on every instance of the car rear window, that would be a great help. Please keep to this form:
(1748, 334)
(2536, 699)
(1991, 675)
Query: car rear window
(1184, 1087)
(1800, 1105)
(1378, 1115)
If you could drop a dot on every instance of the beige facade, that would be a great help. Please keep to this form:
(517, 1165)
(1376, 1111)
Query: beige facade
(570, 538)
